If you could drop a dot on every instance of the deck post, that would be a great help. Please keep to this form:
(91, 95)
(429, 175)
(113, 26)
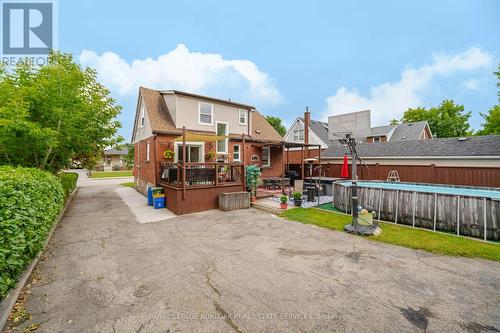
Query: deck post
(397, 204)
(435, 210)
(242, 158)
(484, 218)
(283, 168)
(216, 173)
(379, 202)
(413, 215)
(183, 162)
(319, 173)
(458, 215)
(302, 162)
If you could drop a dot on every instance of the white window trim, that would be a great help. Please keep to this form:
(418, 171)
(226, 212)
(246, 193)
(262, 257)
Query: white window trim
(239, 154)
(211, 117)
(143, 117)
(148, 151)
(190, 143)
(245, 112)
(268, 159)
(226, 139)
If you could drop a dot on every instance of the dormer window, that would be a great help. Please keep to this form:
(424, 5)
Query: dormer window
(376, 139)
(205, 114)
(243, 117)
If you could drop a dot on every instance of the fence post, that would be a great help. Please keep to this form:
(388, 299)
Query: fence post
(435, 210)
(458, 215)
(484, 218)
(413, 219)
(397, 203)
(379, 202)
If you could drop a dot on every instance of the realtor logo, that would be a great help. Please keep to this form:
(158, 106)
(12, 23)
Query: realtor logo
(27, 27)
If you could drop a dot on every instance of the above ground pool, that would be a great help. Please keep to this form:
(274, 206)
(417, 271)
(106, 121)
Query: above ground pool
(462, 210)
(432, 188)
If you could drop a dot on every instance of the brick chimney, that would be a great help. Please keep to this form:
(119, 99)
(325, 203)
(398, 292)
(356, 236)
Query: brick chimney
(307, 121)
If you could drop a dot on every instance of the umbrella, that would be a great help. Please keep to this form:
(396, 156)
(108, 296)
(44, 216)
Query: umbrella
(345, 168)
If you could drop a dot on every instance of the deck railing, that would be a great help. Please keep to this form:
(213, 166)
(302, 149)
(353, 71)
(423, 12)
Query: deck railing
(202, 174)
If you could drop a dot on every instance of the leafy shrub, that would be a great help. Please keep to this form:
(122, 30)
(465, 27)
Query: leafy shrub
(68, 182)
(252, 177)
(297, 195)
(30, 200)
(116, 167)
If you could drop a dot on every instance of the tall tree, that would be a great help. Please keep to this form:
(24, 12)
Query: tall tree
(52, 114)
(491, 119)
(446, 120)
(276, 123)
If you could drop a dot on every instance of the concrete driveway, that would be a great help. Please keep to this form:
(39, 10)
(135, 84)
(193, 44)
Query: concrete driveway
(245, 271)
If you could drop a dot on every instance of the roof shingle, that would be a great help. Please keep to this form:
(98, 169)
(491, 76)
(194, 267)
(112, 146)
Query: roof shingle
(488, 145)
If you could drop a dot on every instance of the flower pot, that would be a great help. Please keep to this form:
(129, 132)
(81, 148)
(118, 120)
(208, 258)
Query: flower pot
(297, 202)
(283, 205)
(252, 198)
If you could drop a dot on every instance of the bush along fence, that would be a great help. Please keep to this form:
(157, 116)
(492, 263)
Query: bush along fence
(30, 201)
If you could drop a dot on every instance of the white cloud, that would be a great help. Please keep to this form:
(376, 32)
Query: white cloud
(182, 69)
(472, 84)
(390, 99)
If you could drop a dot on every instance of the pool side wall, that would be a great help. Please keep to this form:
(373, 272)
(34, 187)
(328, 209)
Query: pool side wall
(417, 209)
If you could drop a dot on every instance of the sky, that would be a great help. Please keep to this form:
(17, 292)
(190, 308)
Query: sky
(281, 56)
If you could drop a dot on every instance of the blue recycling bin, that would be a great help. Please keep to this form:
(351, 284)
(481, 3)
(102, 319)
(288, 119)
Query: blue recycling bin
(150, 196)
(159, 201)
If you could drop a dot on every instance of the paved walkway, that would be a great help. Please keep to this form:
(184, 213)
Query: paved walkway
(245, 271)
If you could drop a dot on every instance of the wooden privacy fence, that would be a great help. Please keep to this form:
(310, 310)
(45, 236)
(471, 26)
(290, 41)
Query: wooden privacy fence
(470, 176)
(461, 215)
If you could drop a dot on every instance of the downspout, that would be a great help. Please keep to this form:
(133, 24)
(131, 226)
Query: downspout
(155, 161)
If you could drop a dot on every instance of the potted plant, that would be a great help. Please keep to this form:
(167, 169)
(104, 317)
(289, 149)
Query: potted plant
(284, 202)
(252, 177)
(297, 199)
(210, 155)
(168, 154)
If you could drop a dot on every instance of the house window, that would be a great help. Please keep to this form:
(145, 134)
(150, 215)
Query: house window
(205, 114)
(222, 130)
(194, 152)
(376, 139)
(243, 117)
(236, 153)
(266, 157)
(147, 151)
(143, 121)
(298, 135)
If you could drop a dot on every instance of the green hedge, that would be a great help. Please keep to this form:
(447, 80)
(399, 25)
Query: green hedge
(30, 201)
(68, 182)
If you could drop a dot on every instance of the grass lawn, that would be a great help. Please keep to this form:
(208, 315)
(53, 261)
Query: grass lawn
(128, 184)
(105, 174)
(430, 241)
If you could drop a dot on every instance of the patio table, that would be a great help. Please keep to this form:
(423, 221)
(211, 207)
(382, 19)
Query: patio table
(275, 182)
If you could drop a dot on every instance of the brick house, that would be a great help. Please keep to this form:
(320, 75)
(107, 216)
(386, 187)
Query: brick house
(242, 136)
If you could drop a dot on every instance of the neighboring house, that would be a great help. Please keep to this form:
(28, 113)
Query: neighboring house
(161, 116)
(112, 157)
(473, 160)
(419, 130)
